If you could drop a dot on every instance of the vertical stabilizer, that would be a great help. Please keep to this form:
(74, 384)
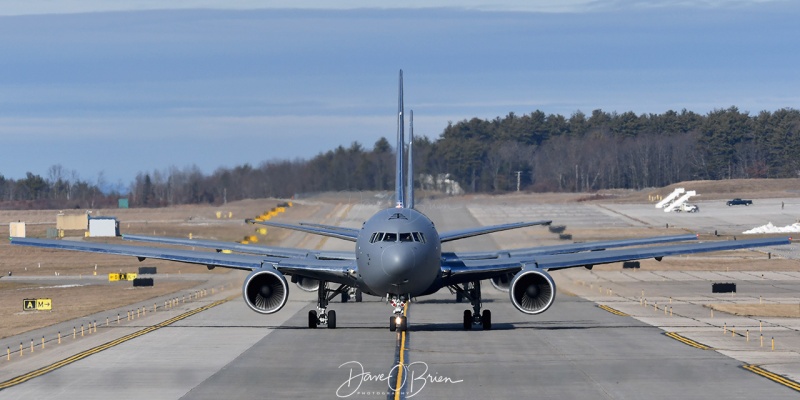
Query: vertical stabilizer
(400, 201)
(410, 162)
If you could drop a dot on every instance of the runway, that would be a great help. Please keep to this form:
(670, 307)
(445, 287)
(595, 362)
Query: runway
(574, 350)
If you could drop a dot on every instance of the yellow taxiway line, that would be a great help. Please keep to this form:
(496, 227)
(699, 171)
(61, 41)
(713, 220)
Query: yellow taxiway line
(772, 376)
(688, 341)
(613, 311)
(399, 384)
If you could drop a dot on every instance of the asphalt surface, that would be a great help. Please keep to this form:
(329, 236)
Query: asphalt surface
(575, 350)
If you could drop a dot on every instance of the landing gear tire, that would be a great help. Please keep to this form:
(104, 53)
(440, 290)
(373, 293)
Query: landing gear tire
(467, 320)
(331, 319)
(486, 320)
(399, 326)
(312, 319)
(345, 297)
(359, 296)
(403, 326)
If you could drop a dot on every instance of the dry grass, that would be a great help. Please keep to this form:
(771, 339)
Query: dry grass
(759, 310)
(72, 302)
(75, 302)
(726, 189)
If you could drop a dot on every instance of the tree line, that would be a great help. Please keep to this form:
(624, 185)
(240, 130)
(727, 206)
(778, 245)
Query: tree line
(546, 152)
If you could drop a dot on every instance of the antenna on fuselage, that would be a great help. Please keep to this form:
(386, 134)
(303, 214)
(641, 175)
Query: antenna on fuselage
(410, 186)
(400, 201)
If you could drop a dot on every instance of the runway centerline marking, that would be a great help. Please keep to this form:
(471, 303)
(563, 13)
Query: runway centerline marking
(77, 357)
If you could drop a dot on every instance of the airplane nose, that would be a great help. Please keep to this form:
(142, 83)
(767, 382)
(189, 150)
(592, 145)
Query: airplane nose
(397, 261)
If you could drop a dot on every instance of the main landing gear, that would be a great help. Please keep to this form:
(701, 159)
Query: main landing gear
(321, 316)
(398, 321)
(472, 292)
(352, 293)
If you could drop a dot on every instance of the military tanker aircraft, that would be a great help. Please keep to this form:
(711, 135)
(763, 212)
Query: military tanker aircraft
(398, 255)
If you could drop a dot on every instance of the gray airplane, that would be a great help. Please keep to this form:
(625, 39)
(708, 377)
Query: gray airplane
(398, 255)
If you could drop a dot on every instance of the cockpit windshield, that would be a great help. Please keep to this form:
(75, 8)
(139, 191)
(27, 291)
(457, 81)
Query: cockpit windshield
(395, 237)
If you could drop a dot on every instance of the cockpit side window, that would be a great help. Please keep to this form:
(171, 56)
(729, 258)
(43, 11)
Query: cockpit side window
(390, 237)
(418, 237)
(376, 237)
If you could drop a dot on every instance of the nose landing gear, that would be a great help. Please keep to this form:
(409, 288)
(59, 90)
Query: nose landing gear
(398, 321)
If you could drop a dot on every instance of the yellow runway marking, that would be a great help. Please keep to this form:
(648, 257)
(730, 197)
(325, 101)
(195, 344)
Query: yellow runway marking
(688, 341)
(398, 385)
(87, 353)
(613, 311)
(772, 376)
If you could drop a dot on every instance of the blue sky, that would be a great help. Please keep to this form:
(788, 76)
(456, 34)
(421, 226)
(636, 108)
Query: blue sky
(124, 87)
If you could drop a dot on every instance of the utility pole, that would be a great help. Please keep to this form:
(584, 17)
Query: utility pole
(518, 178)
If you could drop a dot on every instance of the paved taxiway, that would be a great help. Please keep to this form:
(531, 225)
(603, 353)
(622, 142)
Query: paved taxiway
(574, 350)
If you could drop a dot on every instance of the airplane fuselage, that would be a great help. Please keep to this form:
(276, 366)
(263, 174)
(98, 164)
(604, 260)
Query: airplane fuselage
(398, 252)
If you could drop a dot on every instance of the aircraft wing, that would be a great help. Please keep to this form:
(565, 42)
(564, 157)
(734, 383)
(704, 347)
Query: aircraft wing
(465, 233)
(341, 271)
(460, 271)
(568, 248)
(219, 246)
(330, 227)
(348, 234)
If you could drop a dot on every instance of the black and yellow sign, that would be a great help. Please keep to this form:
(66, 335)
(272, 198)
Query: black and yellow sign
(112, 277)
(37, 304)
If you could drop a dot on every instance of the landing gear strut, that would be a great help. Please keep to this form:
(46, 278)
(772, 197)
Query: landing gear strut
(321, 316)
(398, 321)
(472, 292)
(352, 293)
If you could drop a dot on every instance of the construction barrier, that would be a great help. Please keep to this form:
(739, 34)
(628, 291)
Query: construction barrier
(147, 270)
(723, 288)
(630, 264)
(140, 282)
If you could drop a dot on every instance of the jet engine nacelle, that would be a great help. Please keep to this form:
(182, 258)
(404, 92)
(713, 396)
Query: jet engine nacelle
(265, 291)
(532, 291)
(306, 284)
(502, 282)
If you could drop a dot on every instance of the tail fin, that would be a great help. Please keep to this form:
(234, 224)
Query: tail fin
(399, 182)
(410, 187)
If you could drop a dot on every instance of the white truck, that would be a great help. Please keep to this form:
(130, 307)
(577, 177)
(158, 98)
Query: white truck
(687, 208)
